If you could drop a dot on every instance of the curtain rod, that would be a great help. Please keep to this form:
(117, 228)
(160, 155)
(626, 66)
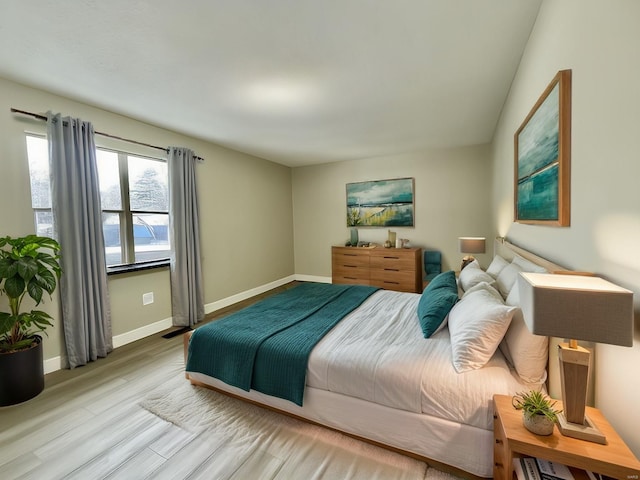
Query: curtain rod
(42, 117)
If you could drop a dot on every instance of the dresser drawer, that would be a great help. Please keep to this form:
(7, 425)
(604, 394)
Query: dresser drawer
(392, 259)
(349, 260)
(347, 274)
(348, 280)
(403, 281)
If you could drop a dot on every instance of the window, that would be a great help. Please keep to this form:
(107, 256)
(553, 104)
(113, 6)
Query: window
(38, 153)
(134, 192)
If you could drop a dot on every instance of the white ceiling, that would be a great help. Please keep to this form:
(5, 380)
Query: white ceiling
(293, 81)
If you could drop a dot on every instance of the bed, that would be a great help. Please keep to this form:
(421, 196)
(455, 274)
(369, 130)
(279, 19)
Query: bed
(375, 376)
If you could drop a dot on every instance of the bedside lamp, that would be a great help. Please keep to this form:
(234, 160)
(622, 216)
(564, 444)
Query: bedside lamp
(578, 308)
(470, 245)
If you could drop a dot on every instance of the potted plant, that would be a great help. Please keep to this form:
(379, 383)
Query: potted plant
(538, 410)
(28, 267)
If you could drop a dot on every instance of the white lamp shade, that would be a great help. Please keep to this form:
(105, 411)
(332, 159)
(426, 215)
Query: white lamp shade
(471, 244)
(577, 307)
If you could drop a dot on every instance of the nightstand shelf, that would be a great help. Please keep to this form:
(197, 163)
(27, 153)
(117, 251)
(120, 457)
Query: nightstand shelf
(511, 440)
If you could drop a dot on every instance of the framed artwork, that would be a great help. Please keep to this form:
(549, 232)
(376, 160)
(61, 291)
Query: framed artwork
(543, 158)
(380, 203)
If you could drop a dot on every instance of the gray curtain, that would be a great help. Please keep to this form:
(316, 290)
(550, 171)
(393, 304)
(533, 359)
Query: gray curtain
(187, 296)
(75, 195)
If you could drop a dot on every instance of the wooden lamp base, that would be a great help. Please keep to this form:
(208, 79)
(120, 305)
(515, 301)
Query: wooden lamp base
(574, 377)
(587, 431)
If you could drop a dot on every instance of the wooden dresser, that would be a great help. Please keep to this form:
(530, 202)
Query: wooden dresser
(389, 268)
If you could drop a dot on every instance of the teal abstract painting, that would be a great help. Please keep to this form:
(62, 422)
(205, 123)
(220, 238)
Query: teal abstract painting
(380, 203)
(542, 157)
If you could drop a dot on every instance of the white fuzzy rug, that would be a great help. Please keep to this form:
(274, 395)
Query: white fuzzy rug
(253, 443)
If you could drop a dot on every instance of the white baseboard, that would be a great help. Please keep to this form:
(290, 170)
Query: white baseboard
(313, 278)
(225, 302)
(52, 364)
(55, 363)
(142, 332)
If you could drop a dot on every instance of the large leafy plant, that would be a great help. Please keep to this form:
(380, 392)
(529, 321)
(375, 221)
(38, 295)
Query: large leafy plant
(28, 266)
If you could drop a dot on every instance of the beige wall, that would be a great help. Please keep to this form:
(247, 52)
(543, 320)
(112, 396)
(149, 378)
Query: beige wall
(599, 42)
(452, 197)
(245, 208)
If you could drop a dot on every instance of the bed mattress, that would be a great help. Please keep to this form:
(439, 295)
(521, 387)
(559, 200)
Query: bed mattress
(379, 354)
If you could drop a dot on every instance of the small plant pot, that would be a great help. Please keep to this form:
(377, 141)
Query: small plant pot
(538, 424)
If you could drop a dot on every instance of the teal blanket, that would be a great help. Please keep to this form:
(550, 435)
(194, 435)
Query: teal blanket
(266, 346)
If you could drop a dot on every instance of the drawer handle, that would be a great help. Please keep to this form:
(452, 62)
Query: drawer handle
(351, 266)
(392, 283)
(498, 441)
(392, 258)
(498, 464)
(351, 278)
(350, 255)
(391, 269)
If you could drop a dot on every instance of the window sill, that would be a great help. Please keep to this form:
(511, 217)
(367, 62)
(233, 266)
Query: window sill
(137, 267)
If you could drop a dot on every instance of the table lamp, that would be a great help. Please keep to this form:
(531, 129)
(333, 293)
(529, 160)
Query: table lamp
(470, 245)
(576, 307)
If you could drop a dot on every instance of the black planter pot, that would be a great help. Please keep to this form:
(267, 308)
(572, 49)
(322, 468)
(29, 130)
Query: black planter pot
(21, 375)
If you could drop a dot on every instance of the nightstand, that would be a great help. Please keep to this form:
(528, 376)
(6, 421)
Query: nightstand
(511, 440)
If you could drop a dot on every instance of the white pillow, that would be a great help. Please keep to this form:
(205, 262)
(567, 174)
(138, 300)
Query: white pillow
(514, 295)
(507, 278)
(477, 324)
(528, 353)
(528, 266)
(496, 266)
(472, 275)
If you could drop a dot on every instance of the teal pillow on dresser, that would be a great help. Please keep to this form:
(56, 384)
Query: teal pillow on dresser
(436, 301)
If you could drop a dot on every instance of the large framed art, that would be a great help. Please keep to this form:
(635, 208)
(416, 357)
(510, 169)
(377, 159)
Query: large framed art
(543, 158)
(380, 203)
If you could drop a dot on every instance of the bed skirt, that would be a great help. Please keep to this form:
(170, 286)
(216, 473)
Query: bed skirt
(466, 448)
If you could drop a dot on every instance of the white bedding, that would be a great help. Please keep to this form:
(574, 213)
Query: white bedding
(378, 354)
(403, 392)
(376, 376)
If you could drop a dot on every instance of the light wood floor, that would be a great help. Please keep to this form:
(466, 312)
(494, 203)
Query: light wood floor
(87, 423)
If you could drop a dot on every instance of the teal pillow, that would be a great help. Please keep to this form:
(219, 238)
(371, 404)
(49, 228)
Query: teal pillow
(436, 301)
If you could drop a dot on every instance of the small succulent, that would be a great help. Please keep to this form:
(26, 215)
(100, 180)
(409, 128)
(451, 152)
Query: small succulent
(535, 403)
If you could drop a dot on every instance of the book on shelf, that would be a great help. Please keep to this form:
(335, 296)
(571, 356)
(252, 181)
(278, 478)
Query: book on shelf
(529, 468)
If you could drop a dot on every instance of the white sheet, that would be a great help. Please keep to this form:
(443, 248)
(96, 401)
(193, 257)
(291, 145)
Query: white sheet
(378, 354)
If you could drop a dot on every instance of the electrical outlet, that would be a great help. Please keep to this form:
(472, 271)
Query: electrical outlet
(147, 298)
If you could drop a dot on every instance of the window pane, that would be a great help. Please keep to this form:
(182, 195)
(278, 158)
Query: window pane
(111, 232)
(38, 153)
(44, 223)
(109, 174)
(151, 236)
(148, 184)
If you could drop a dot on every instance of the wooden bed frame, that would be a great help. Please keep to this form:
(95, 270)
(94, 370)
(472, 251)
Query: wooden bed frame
(503, 248)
